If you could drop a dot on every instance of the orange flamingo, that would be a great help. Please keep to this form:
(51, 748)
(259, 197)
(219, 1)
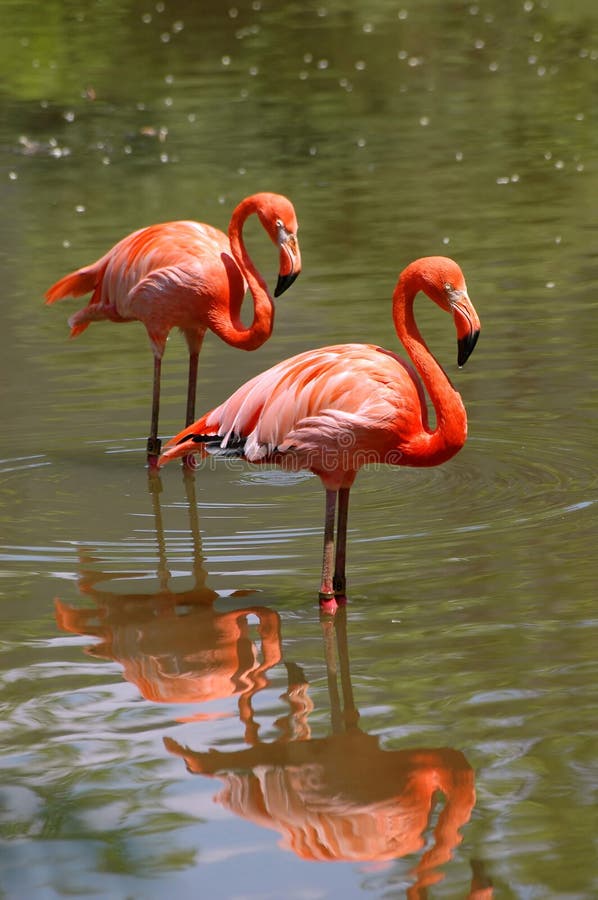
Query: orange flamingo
(335, 409)
(191, 276)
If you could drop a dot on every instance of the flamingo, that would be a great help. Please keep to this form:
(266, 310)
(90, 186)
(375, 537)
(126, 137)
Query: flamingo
(192, 276)
(334, 409)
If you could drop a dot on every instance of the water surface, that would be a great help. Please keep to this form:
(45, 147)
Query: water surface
(175, 710)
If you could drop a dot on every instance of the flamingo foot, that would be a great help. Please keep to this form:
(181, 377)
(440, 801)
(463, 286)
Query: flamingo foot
(328, 604)
(154, 446)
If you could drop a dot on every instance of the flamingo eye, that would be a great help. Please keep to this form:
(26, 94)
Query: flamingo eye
(449, 287)
(279, 223)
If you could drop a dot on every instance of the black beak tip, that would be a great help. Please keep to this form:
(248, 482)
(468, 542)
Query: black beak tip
(465, 347)
(284, 282)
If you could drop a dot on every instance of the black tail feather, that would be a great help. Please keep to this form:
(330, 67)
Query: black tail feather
(235, 445)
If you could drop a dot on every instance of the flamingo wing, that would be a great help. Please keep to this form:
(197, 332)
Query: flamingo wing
(176, 246)
(114, 275)
(355, 401)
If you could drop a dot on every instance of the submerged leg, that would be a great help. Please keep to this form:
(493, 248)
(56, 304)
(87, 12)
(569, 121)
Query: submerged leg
(326, 588)
(153, 442)
(339, 582)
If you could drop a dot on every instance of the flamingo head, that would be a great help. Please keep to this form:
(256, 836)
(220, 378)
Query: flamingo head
(278, 217)
(442, 280)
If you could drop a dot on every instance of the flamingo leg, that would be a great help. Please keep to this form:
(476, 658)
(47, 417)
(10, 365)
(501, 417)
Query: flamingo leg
(189, 460)
(191, 388)
(339, 582)
(326, 588)
(153, 442)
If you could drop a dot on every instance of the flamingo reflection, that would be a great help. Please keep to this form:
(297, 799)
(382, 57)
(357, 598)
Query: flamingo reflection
(343, 797)
(174, 646)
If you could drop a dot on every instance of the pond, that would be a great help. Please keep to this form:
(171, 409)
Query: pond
(178, 715)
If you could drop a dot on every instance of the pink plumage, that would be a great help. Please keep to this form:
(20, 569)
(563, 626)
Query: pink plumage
(335, 409)
(190, 276)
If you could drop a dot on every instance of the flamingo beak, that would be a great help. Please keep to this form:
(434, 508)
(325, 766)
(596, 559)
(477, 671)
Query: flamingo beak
(284, 282)
(467, 324)
(290, 261)
(465, 347)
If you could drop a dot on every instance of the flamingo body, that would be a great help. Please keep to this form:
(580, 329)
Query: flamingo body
(330, 410)
(156, 276)
(335, 409)
(191, 276)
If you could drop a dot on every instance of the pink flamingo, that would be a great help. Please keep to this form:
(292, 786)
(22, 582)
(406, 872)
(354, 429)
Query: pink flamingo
(335, 409)
(191, 276)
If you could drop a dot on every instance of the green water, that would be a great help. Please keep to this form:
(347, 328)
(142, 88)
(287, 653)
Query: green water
(139, 620)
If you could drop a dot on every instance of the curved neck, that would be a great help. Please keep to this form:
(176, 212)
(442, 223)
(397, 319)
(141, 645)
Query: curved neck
(429, 447)
(228, 324)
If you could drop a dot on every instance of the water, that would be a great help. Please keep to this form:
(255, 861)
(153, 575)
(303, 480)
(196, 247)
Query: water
(175, 711)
